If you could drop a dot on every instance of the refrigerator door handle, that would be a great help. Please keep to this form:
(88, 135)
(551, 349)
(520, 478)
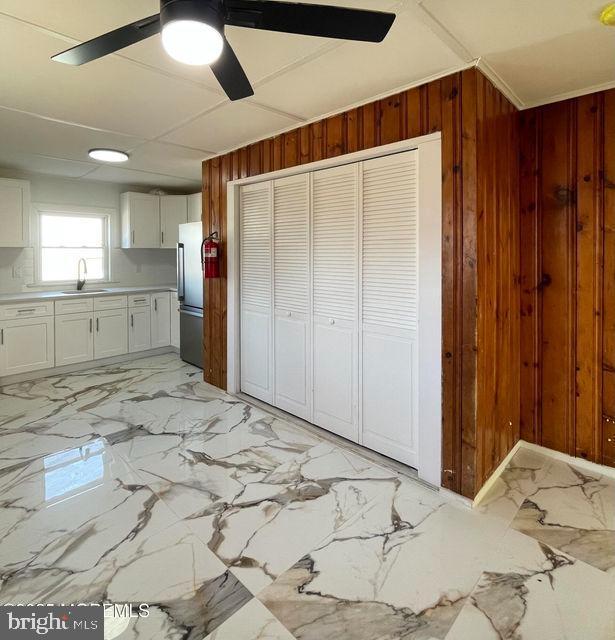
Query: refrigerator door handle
(181, 284)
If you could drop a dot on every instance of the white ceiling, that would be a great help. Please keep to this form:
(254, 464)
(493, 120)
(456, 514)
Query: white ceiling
(170, 116)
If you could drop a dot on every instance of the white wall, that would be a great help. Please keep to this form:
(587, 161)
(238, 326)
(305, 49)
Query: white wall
(128, 267)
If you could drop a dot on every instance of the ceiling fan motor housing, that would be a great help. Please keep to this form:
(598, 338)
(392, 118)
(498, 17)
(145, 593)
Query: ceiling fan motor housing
(210, 12)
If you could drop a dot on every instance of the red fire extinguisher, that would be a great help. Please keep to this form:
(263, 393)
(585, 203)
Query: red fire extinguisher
(210, 256)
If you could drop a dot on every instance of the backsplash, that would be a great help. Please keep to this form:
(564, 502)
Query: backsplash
(128, 268)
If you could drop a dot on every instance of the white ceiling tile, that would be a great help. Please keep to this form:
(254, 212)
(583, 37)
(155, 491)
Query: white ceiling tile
(158, 157)
(501, 25)
(358, 71)
(31, 134)
(549, 69)
(19, 161)
(111, 93)
(120, 175)
(228, 126)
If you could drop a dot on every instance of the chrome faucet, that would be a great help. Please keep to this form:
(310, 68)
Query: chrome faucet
(80, 280)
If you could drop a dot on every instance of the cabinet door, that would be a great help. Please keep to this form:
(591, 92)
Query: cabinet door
(390, 303)
(26, 345)
(161, 319)
(140, 221)
(14, 212)
(139, 333)
(335, 299)
(291, 200)
(173, 212)
(110, 333)
(195, 212)
(256, 276)
(174, 321)
(74, 338)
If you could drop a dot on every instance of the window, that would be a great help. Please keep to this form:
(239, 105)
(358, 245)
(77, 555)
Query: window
(65, 238)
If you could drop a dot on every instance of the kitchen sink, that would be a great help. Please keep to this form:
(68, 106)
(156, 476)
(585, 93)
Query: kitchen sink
(85, 291)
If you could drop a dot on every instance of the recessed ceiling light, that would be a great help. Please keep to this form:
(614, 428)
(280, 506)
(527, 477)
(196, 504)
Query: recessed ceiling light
(108, 155)
(607, 16)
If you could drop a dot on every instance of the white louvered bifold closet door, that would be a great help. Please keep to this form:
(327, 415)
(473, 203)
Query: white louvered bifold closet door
(256, 291)
(335, 299)
(389, 306)
(292, 343)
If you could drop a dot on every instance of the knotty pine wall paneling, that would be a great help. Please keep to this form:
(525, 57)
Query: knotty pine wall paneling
(472, 116)
(567, 169)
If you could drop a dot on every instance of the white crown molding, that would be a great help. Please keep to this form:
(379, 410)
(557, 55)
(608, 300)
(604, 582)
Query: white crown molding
(605, 86)
(499, 83)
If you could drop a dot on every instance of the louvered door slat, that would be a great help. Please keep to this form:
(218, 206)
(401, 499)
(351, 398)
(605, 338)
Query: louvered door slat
(390, 243)
(256, 245)
(334, 219)
(291, 243)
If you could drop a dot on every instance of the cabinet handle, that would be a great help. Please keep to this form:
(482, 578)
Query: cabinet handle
(26, 310)
(331, 321)
(132, 320)
(155, 304)
(133, 236)
(162, 236)
(90, 325)
(97, 325)
(1, 336)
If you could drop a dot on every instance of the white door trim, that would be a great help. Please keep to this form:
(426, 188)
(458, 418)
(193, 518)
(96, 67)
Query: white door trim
(430, 309)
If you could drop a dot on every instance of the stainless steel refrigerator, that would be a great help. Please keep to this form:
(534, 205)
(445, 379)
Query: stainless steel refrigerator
(190, 293)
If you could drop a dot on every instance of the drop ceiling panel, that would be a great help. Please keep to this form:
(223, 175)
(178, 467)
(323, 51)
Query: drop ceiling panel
(111, 93)
(170, 159)
(120, 175)
(358, 71)
(31, 134)
(19, 161)
(229, 126)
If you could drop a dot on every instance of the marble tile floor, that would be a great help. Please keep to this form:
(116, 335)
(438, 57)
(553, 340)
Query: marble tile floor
(140, 483)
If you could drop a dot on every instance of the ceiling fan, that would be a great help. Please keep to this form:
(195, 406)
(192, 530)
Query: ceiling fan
(193, 32)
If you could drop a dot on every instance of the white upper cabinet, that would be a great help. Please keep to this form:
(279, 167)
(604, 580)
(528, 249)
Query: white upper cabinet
(195, 201)
(335, 299)
(140, 221)
(173, 212)
(14, 212)
(291, 248)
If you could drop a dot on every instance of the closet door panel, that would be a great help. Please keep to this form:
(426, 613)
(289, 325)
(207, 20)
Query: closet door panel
(389, 306)
(256, 291)
(335, 299)
(292, 348)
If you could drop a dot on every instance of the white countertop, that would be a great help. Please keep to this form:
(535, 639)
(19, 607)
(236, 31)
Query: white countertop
(6, 298)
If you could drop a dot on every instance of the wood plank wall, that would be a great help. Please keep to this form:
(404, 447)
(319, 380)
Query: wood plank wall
(478, 222)
(567, 203)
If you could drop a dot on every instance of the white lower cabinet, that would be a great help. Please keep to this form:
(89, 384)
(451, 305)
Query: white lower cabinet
(26, 344)
(174, 321)
(139, 329)
(111, 333)
(74, 338)
(161, 319)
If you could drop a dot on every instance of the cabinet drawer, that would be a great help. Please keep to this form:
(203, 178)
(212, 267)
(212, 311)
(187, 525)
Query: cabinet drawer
(79, 305)
(139, 300)
(26, 310)
(110, 302)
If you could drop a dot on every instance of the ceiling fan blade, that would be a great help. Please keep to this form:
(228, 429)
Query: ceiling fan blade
(309, 19)
(230, 74)
(110, 42)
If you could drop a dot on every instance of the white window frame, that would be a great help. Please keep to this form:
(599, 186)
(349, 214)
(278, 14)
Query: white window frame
(40, 209)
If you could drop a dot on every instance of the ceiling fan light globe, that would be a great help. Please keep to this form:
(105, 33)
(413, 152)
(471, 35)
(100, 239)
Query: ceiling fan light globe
(192, 42)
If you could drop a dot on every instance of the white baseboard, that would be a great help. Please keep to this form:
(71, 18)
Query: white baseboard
(83, 366)
(581, 463)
